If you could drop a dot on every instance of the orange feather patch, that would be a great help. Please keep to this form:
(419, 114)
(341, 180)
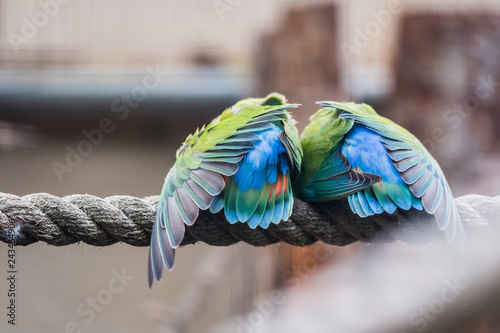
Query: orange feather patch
(279, 184)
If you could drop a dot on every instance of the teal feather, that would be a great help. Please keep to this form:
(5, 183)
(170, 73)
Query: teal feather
(257, 219)
(267, 218)
(279, 204)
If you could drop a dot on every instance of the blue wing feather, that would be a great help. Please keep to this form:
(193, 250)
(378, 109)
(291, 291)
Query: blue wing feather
(260, 171)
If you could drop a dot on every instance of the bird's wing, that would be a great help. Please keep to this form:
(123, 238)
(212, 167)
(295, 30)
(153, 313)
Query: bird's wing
(199, 174)
(417, 168)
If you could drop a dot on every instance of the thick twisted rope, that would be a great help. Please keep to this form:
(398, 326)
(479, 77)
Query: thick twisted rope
(101, 222)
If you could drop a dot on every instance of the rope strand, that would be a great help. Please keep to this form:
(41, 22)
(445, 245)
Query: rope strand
(102, 222)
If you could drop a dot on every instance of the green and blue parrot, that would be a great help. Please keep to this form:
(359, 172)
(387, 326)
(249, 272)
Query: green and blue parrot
(243, 162)
(350, 150)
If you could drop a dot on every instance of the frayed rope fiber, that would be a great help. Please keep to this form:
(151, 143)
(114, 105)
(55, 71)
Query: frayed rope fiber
(101, 222)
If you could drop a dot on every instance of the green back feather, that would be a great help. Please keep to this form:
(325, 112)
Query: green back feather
(318, 139)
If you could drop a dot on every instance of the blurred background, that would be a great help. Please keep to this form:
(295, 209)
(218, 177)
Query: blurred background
(96, 96)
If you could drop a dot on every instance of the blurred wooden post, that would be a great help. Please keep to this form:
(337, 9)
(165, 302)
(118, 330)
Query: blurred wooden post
(447, 83)
(299, 59)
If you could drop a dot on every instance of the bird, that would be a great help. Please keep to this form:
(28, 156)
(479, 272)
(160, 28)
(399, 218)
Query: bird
(351, 151)
(243, 162)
